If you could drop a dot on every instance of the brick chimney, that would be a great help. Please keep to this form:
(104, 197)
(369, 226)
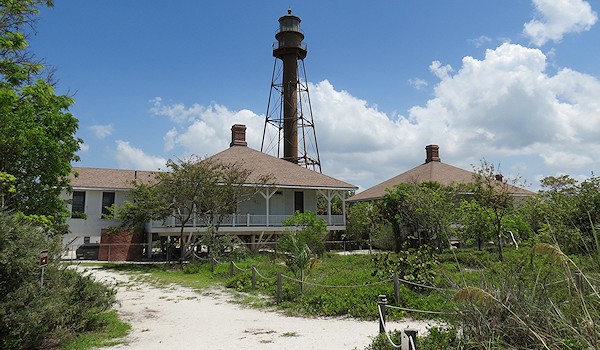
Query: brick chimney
(238, 135)
(433, 153)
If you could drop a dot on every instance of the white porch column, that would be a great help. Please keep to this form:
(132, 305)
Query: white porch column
(267, 193)
(329, 195)
(343, 198)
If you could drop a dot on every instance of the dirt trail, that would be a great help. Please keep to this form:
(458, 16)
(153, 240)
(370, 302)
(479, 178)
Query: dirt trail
(180, 318)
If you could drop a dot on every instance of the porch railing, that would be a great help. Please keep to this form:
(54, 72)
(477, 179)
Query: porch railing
(245, 220)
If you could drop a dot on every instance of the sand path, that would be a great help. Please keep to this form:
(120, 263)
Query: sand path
(181, 318)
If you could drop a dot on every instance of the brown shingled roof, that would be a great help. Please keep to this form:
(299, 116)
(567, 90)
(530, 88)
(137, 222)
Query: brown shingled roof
(282, 172)
(431, 170)
(108, 178)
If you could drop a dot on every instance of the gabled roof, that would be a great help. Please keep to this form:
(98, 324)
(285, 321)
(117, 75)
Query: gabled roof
(113, 179)
(282, 173)
(432, 170)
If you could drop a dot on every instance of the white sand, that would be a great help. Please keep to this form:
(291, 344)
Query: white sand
(180, 318)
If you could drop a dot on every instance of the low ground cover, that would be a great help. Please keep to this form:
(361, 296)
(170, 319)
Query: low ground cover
(523, 289)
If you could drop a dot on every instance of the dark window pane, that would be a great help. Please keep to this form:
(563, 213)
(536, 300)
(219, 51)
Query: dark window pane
(78, 204)
(108, 199)
(299, 201)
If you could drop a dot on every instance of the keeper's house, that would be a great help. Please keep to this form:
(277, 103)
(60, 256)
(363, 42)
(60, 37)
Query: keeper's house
(291, 188)
(433, 170)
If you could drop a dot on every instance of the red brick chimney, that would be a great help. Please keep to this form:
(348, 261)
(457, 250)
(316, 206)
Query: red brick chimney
(433, 153)
(238, 135)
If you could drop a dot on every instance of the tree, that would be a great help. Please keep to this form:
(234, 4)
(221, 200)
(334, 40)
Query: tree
(421, 212)
(37, 133)
(474, 222)
(311, 229)
(494, 193)
(568, 211)
(302, 242)
(191, 189)
(364, 221)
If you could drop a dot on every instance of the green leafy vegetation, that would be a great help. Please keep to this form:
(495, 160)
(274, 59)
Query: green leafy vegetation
(33, 315)
(109, 334)
(32, 117)
(37, 146)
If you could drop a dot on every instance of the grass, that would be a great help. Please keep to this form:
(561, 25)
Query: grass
(110, 334)
(331, 270)
(457, 269)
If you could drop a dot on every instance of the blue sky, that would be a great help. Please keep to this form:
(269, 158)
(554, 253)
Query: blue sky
(514, 82)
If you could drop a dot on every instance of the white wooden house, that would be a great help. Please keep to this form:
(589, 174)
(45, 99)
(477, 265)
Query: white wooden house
(291, 188)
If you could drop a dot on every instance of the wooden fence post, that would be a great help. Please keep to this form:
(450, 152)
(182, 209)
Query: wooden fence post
(381, 302)
(408, 339)
(212, 265)
(231, 269)
(253, 277)
(279, 286)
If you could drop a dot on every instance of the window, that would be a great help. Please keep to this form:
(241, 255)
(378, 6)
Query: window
(86, 240)
(108, 199)
(78, 204)
(299, 201)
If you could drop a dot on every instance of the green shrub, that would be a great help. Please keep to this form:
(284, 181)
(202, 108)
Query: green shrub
(414, 265)
(67, 304)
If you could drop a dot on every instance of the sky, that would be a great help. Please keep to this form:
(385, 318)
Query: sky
(513, 82)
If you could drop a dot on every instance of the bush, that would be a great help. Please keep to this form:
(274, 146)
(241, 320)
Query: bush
(66, 305)
(530, 302)
(415, 265)
(436, 339)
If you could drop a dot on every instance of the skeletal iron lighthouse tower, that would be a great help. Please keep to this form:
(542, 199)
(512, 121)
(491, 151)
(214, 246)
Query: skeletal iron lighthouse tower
(289, 123)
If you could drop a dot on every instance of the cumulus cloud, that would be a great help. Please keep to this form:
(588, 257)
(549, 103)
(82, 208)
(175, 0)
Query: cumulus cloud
(439, 70)
(507, 105)
(480, 41)
(206, 130)
(130, 157)
(504, 105)
(102, 131)
(84, 147)
(176, 112)
(555, 18)
(418, 83)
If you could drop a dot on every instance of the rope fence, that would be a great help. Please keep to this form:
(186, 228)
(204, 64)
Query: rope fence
(256, 273)
(408, 339)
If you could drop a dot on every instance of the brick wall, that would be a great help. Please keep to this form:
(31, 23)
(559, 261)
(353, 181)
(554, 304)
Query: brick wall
(120, 246)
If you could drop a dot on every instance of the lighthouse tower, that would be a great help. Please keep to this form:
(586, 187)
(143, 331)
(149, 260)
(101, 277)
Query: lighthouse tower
(289, 125)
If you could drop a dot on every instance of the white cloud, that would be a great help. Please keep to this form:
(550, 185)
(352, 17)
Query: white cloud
(418, 83)
(206, 130)
(555, 18)
(170, 139)
(439, 70)
(506, 105)
(130, 157)
(176, 112)
(480, 41)
(102, 131)
(566, 161)
(503, 106)
(84, 147)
